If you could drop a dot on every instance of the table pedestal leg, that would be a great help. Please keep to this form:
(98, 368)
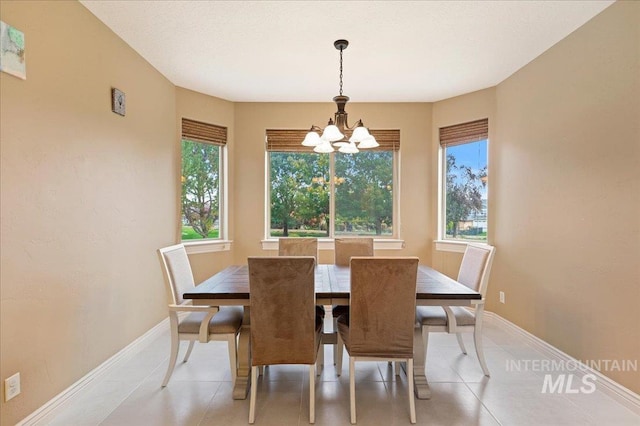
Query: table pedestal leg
(243, 378)
(420, 384)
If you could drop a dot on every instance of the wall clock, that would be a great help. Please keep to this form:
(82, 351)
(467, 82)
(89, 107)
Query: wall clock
(117, 101)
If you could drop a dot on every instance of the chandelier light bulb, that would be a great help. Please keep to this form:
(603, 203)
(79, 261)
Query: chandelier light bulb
(349, 148)
(359, 134)
(369, 142)
(312, 139)
(324, 147)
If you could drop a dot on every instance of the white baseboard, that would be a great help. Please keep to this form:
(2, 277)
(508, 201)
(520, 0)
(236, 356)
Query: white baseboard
(133, 348)
(615, 390)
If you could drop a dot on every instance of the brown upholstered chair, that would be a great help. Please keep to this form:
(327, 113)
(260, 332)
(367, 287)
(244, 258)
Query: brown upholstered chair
(381, 317)
(298, 247)
(474, 273)
(345, 248)
(280, 334)
(203, 323)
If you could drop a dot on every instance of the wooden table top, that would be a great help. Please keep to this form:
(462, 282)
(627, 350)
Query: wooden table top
(331, 282)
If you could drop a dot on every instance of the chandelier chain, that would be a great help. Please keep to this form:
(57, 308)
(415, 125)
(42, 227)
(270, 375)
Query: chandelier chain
(340, 71)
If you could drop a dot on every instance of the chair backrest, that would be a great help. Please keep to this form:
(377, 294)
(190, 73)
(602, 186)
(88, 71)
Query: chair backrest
(476, 267)
(346, 248)
(382, 306)
(283, 319)
(298, 247)
(177, 272)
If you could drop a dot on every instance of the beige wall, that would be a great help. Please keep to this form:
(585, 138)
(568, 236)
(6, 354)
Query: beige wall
(87, 196)
(565, 188)
(416, 189)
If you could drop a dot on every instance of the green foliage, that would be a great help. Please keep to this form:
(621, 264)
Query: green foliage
(200, 186)
(189, 234)
(299, 191)
(364, 192)
(464, 194)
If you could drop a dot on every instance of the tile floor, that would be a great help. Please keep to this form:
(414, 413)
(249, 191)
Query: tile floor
(199, 392)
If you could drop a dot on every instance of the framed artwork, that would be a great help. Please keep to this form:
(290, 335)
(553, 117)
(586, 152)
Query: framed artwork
(117, 101)
(12, 51)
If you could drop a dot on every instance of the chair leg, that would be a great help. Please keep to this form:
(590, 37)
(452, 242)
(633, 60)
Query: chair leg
(312, 394)
(189, 349)
(254, 390)
(352, 388)
(336, 347)
(396, 367)
(261, 370)
(320, 359)
(461, 343)
(412, 403)
(339, 347)
(175, 346)
(425, 339)
(233, 357)
(477, 339)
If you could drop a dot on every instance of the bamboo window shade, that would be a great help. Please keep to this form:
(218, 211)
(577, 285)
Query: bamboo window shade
(290, 140)
(459, 134)
(203, 132)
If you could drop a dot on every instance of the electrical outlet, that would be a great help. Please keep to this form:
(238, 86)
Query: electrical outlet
(502, 297)
(11, 387)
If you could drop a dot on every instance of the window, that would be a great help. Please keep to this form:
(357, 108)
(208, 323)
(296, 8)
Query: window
(327, 195)
(464, 181)
(202, 154)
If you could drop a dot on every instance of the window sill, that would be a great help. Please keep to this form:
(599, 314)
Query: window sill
(207, 246)
(327, 244)
(454, 246)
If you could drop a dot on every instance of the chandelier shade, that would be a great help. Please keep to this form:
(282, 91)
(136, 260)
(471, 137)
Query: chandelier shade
(334, 134)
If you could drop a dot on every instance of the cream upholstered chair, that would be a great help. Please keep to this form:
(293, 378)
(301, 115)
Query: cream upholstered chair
(381, 317)
(280, 334)
(203, 323)
(345, 249)
(474, 273)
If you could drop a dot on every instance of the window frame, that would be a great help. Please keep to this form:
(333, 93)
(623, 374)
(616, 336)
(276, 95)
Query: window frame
(392, 241)
(443, 243)
(201, 132)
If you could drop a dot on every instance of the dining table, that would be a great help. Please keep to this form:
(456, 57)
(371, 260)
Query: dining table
(230, 287)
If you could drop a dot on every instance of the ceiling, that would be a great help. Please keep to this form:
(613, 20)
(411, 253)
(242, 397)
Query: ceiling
(399, 51)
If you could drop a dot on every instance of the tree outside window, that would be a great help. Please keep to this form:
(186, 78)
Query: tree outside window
(300, 193)
(465, 191)
(200, 197)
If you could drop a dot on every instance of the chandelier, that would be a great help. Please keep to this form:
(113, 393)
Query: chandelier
(334, 134)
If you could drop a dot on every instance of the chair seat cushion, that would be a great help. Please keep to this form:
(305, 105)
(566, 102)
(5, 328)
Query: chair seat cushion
(227, 320)
(435, 315)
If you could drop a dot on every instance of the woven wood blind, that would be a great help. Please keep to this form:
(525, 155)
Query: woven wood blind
(290, 140)
(458, 134)
(204, 132)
